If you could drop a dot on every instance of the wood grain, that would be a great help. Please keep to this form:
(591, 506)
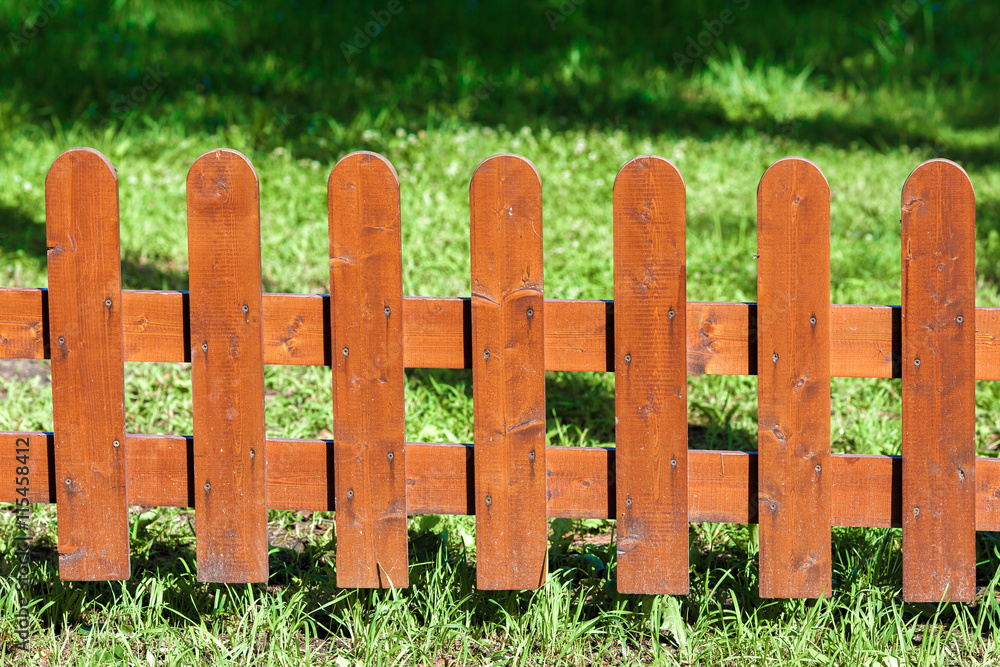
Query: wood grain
(939, 391)
(227, 355)
(366, 309)
(651, 378)
(865, 341)
(793, 380)
(722, 485)
(88, 391)
(508, 372)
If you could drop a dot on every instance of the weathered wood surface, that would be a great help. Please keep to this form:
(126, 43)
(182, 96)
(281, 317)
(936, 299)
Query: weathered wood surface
(227, 368)
(508, 372)
(366, 304)
(88, 391)
(651, 378)
(793, 380)
(939, 391)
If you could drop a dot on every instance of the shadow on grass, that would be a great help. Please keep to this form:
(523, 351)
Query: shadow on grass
(295, 74)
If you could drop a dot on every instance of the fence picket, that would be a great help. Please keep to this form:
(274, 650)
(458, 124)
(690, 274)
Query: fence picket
(939, 392)
(366, 308)
(508, 370)
(793, 380)
(88, 390)
(227, 354)
(651, 378)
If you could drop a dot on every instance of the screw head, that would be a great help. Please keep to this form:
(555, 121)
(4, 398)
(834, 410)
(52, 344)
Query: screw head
(628, 501)
(628, 358)
(819, 468)
(486, 354)
(208, 487)
(774, 506)
(916, 362)
(671, 313)
(62, 340)
(774, 357)
(204, 347)
(350, 493)
(345, 351)
(531, 456)
(489, 500)
(116, 444)
(387, 310)
(812, 320)
(252, 454)
(673, 463)
(107, 302)
(531, 312)
(68, 481)
(246, 309)
(390, 456)
(959, 319)
(916, 511)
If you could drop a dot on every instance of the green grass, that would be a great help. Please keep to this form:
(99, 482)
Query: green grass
(864, 92)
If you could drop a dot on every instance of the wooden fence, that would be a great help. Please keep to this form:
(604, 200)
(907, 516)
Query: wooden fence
(651, 337)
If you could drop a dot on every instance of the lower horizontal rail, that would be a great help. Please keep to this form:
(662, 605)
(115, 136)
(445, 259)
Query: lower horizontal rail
(722, 485)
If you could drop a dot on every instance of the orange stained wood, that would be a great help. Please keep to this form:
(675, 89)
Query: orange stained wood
(865, 341)
(651, 378)
(939, 391)
(793, 380)
(366, 309)
(722, 485)
(227, 366)
(88, 393)
(508, 370)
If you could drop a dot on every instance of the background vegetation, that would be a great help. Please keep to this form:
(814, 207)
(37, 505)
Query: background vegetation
(867, 90)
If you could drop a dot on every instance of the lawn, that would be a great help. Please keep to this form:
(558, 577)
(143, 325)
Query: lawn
(865, 90)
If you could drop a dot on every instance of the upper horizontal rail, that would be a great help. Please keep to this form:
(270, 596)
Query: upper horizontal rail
(437, 331)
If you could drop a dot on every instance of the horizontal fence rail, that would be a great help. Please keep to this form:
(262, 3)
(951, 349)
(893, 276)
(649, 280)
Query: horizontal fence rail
(508, 333)
(865, 341)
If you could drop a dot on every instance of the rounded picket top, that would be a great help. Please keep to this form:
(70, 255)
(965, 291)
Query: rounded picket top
(507, 165)
(937, 172)
(376, 165)
(79, 158)
(797, 168)
(648, 166)
(215, 172)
